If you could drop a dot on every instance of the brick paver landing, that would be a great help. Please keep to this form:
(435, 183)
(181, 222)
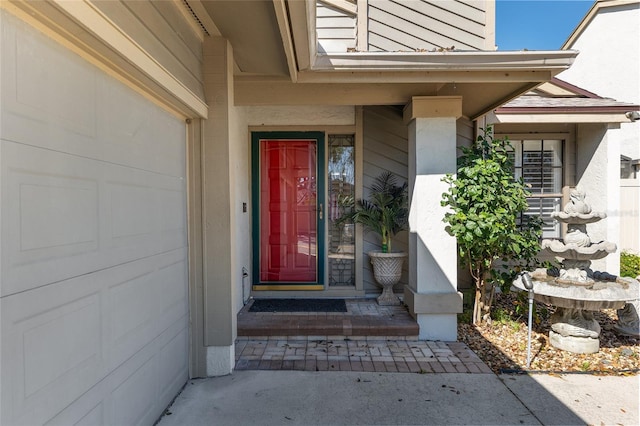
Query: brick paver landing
(368, 337)
(357, 354)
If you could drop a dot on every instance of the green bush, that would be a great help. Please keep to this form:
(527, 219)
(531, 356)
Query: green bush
(629, 265)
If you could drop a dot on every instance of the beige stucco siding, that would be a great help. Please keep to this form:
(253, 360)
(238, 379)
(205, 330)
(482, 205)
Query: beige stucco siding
(93, 259)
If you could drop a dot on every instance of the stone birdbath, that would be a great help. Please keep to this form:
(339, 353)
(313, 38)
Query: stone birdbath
(576, 290)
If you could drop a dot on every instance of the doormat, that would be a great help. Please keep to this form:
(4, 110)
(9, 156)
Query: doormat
(298, 305)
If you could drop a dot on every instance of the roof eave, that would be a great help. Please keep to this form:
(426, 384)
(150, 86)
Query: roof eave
(561, 117)
(617, 109)
(556, 61)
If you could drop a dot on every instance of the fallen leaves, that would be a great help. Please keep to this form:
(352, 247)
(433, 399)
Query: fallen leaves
(502, 345)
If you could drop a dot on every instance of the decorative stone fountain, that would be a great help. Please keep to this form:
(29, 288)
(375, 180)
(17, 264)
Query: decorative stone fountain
(576, 290)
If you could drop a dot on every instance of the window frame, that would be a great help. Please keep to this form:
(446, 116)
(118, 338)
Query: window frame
(557, 171)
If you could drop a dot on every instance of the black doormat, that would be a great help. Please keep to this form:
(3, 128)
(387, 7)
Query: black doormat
(298, 305)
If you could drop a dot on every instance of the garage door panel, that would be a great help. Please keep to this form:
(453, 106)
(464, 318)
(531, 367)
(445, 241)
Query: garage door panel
(143, 307)
(141, 376)
(66, 225)
(134, 399)
(145, 210)
(54, 214)
(174, 361)
(94, 417)
(138, 135)
(62, 339)
(53, 341)
(48, 91)
(44, 80)
(93, 248)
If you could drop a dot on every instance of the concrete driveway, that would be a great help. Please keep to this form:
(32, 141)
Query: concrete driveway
(366, 398)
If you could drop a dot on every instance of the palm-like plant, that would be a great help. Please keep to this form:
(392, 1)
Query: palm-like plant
(385, 211)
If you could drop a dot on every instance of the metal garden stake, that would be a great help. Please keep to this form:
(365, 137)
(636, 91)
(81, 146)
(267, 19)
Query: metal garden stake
(528, 284)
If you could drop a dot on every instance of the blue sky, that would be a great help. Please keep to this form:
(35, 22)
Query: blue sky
(537, 24)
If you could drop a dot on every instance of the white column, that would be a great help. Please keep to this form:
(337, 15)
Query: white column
(432, 294)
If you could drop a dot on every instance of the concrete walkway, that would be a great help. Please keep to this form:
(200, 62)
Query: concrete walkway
(373, 398)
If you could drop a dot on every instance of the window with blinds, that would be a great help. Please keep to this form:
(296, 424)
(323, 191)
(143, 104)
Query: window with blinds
(539, 164)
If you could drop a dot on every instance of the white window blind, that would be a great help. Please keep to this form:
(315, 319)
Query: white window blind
(539, 164)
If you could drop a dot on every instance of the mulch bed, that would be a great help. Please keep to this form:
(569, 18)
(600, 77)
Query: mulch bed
(502, 345)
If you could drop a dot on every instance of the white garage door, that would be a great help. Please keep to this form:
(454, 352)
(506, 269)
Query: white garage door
(93, 242)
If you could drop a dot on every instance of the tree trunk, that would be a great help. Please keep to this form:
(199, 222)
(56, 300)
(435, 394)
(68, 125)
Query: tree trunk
(483, 301)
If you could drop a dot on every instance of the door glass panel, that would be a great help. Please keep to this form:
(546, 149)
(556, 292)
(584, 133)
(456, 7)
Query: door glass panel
(341, 244)
(288, 211)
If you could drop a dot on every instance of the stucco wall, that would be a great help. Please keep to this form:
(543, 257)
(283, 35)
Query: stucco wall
(609, 63)
(596, 151)
(240, 193)
(317, 115)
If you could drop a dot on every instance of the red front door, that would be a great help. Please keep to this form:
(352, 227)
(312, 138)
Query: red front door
(290, 212)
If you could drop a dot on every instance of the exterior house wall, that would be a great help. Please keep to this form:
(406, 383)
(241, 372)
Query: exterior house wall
(417, 25)
(240, 194)
(93, 259)
(422, 25)
(159, 28)
(385, 148)
(336, 29)
(609, 63)
(597, 156)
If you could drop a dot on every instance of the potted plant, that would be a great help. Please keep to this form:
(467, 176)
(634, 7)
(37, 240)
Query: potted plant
(386, 213)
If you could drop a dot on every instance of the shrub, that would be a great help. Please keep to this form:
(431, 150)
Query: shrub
(629, 265)
(485, 202)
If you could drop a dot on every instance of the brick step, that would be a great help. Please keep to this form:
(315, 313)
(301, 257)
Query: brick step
(375, 321)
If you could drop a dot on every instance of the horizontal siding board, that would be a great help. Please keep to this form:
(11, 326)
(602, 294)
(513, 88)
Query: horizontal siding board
(336, 30)
(157, 25)
(464, 132)
(440, 12)
(338, 22)
(428, 33)
(132, 25)
(182, 28)
(385, 148)
(326, 11)
(333, 46)
(396, 155)
(472, 10)
(336, 33)
(378, 43)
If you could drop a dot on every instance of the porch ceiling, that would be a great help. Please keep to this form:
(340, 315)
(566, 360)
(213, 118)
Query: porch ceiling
(277, 64)
(252, 29)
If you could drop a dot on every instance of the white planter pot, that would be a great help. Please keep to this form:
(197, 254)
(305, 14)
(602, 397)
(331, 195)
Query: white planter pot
(387, 270)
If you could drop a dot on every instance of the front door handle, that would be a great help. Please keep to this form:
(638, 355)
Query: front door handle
(320, 212)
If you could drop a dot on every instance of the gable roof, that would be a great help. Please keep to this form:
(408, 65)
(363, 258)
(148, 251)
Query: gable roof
(559, 101)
